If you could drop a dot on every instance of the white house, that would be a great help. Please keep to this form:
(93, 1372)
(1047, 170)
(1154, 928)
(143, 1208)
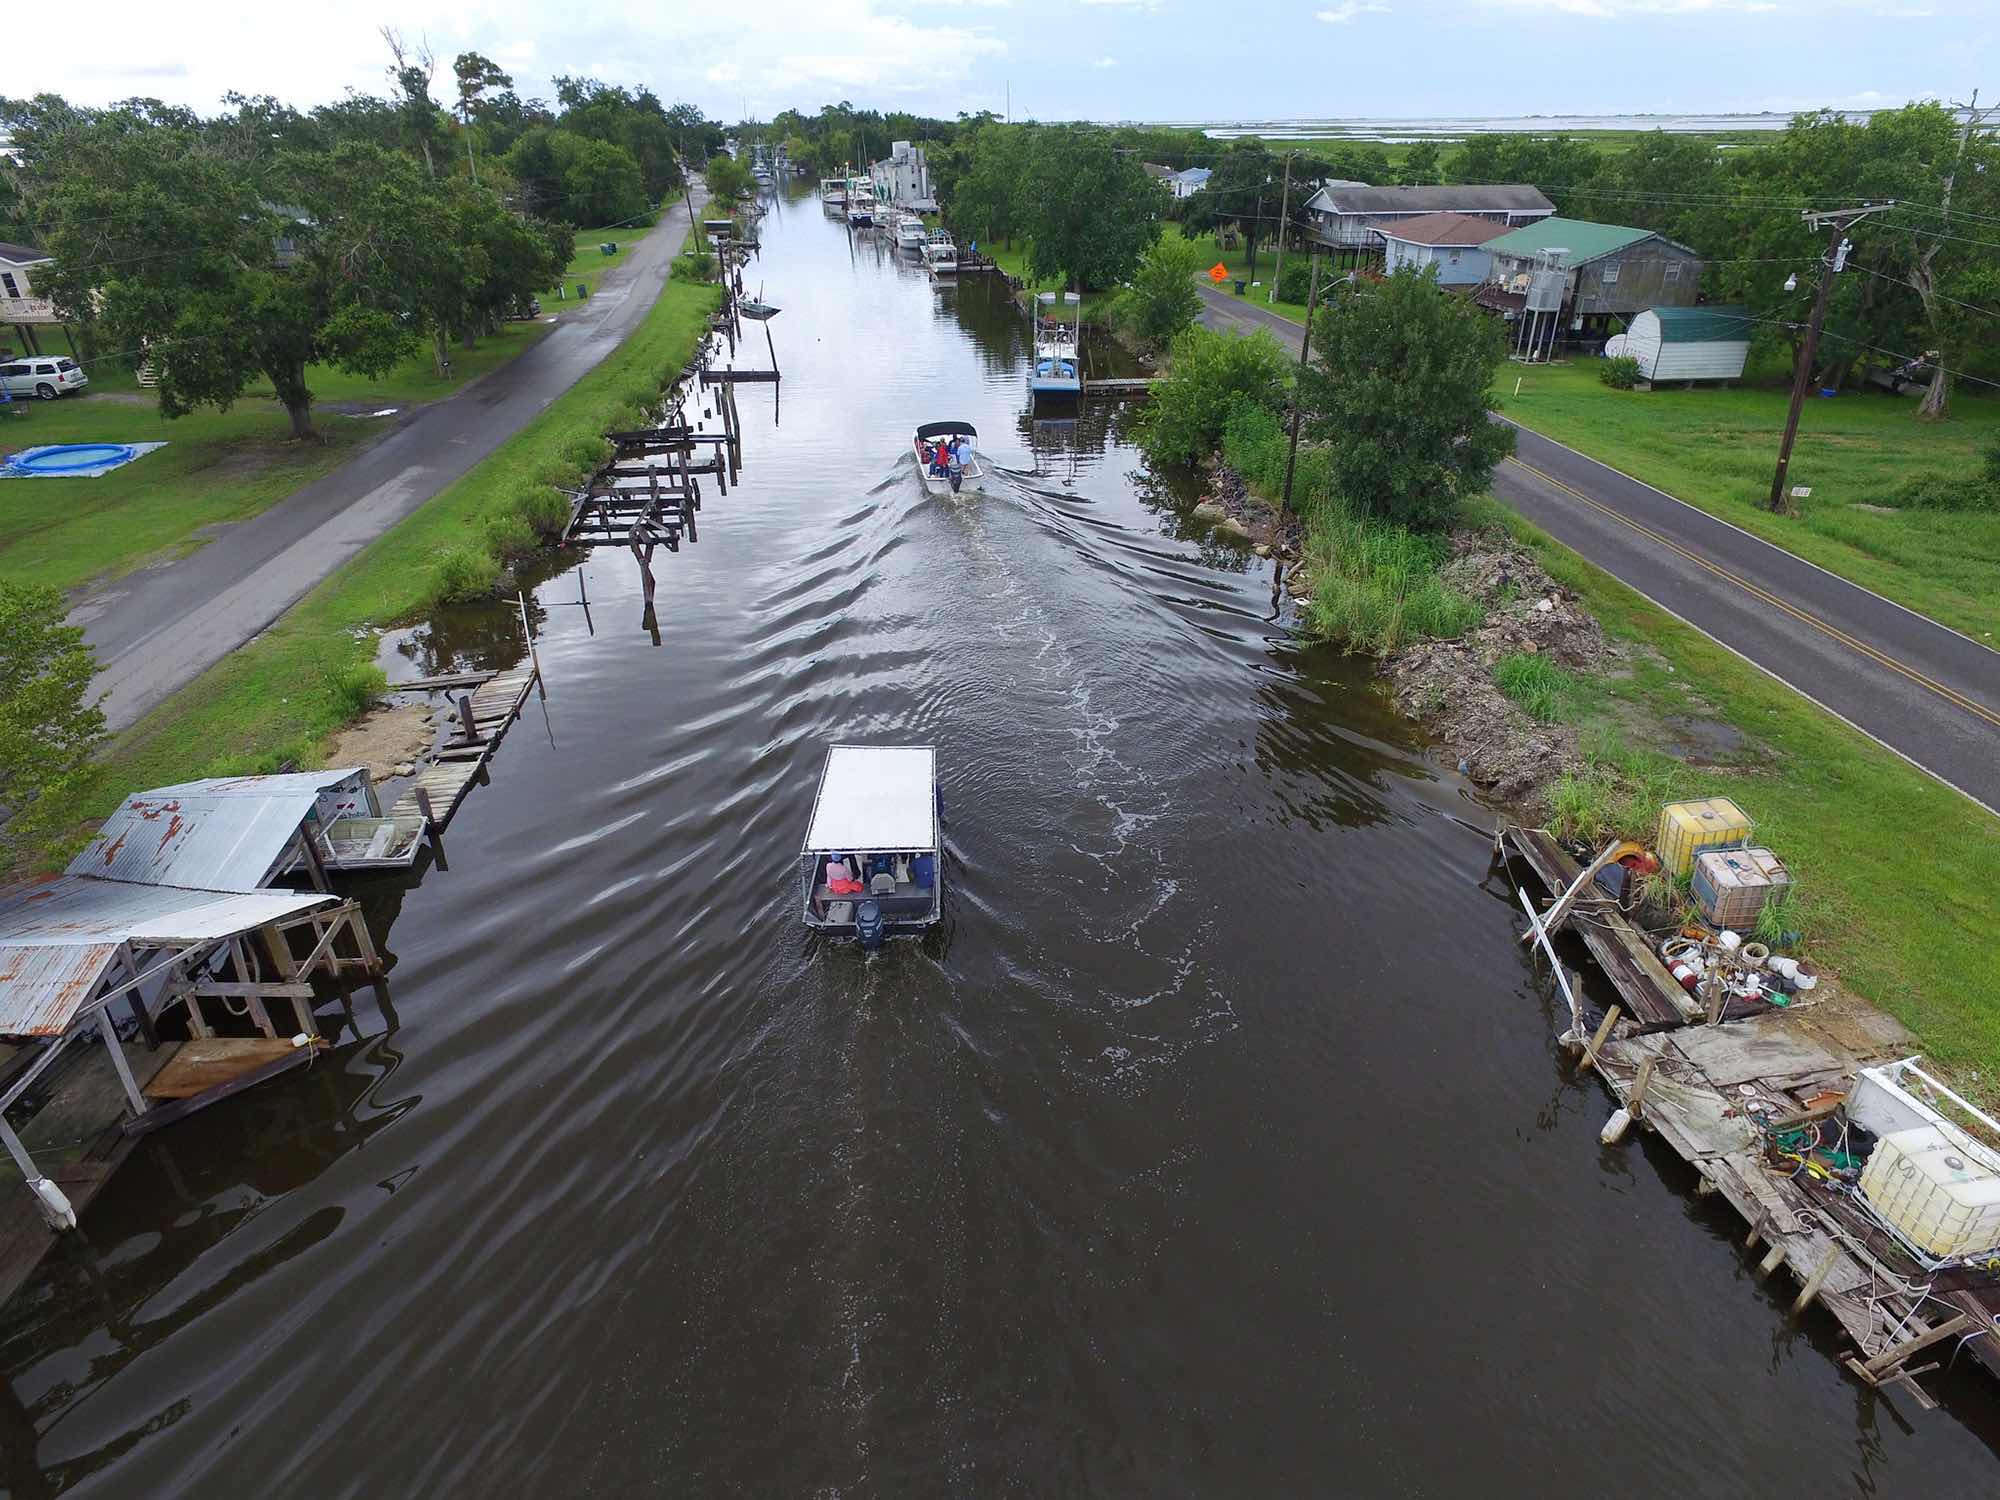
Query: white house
(18, 303)
(1450, 242)
(904, 179)
(1352, 215)
(1187, 184)
(1687, 343)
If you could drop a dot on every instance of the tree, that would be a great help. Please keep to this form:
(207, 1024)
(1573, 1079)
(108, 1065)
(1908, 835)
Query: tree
(411, 73)
(474, 75)
(983, 190)
(1243, 189)
(1557, 164)
(1089, 211)
(47, 729)
(1397, 390)
(600, 182)
(1420, 165)
(1163, 297)
(728, 179)
(1209, 375)
(162, 244)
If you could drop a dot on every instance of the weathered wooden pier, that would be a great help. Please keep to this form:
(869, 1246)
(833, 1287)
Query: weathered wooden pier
(1726, 1087)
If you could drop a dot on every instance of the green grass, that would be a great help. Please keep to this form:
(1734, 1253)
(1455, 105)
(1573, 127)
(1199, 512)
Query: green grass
(217, 467)
(281, 695)
(1715, 449)
(1547, 693)
(1894, 870)
(589, 264)
(1238, 265)
(1013, 259)
(1375, 586)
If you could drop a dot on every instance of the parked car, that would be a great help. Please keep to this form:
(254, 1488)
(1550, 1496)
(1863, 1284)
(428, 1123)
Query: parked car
(39, 375)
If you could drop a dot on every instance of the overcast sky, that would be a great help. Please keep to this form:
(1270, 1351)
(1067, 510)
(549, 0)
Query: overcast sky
(1064, 59)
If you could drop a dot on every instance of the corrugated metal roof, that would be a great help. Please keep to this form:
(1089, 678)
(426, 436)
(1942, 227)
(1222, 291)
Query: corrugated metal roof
(196, 840)
(1443, 229)
(1579, 240)
(1721, 324)
(259, 786)
(80, 909)
(1505, 197)
(42, 988)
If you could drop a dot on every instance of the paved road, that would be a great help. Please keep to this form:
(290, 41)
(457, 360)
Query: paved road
(159, 628)
(1930, 694)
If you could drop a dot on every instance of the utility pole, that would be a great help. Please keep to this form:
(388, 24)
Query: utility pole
(1839, 220)
(1284, 219)
(1292, 454)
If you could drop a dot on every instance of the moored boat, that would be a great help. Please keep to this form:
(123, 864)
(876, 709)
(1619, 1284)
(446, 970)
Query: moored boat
(941, 253)
(872, 864)
(1056, 369)
(910, 232)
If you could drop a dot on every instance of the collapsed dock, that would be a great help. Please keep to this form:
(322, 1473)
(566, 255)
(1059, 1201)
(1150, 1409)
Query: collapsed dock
(1759, 1100)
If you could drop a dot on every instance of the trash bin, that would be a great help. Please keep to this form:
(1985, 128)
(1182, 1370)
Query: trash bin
(1239, 288)
(582, 291)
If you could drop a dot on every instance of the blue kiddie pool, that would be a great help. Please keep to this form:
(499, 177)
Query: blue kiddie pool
(67, 458)
(72, 460)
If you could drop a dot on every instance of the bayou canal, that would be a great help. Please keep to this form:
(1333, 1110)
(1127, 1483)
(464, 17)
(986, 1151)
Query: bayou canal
(1218, 1145)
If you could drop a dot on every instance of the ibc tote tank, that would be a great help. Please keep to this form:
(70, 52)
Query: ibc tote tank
(1687, 828)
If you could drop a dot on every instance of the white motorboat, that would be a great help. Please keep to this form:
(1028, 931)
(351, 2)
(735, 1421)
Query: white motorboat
(833, 194)
(872, 867)
(958, 476)
(941, 253)
(910, 232)
(860, 203)
(1057, 369)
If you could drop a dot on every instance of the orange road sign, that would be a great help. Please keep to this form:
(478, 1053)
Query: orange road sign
(1218, 273)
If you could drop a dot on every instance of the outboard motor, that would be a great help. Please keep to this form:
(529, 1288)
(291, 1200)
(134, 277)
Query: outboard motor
(868, 924)
(957, 478)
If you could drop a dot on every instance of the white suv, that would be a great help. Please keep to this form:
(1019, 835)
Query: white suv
(38, 375)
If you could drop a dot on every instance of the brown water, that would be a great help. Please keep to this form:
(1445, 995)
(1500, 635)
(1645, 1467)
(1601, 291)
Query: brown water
(1216, 1146)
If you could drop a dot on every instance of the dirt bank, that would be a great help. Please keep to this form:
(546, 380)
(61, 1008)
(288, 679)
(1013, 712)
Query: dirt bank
(1448, 686)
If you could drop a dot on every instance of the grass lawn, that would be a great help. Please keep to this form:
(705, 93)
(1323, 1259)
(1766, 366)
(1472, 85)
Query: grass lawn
(1239, 266)
(1894, 869)
(216, 467)
(278, 697)
(1715, 448)
(1014, 261)
(588, 263)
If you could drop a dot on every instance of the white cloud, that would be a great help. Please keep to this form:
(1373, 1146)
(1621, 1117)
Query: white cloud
(1611, 9)
(1347, 10)
(1134, 4)
(724, 73)
(1105, 62)
(962, 4)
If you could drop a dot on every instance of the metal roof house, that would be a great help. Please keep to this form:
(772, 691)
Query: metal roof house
(1453, 243)
(1351, 215)
(1687, 343)
(1186, 184)
(1609, 270)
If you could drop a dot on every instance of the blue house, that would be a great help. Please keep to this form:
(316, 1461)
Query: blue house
(1451, 242)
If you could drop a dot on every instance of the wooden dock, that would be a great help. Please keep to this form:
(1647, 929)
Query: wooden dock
(1121, 389)
(1725, 1095)
(485, 716)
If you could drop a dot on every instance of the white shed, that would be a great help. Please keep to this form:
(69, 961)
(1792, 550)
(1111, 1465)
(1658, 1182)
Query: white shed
(1688, 343)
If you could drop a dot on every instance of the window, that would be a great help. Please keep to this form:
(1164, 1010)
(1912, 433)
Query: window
(13, 369)
(7, 280)
(65, 364)
(1673, 272)
(1608, 275)
(45, 369)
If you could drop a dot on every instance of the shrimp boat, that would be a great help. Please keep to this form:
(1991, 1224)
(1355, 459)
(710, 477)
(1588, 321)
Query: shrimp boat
(860, 204)
(957, 478)
(871, 866)
(1056, 370)
(910, 231)
(941, 253)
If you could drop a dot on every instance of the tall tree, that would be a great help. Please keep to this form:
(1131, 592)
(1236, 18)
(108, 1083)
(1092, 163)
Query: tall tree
(1397, 390)
(410, 73)
(1089, 210)
(48, 725)
(1243, 189)
(474, 75)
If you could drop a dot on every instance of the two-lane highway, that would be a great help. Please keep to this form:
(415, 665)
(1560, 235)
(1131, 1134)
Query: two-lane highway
(1926, 692)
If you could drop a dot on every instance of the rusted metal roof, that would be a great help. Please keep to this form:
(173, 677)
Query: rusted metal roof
(59, 933)
(195, 840)
(1446, 229)
(43, 988)
(288, 784)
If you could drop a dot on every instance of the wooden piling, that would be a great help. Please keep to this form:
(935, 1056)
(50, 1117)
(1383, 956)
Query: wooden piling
(1817, 1279)
(1589, 1059)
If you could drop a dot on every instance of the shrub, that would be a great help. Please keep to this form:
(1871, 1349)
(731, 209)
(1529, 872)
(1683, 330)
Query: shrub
(695, 266)
(1546, 693)
(354, 687)
(510, 536)
(543, 507)
(1621, 372)
(463, 572)
(1933, 490)
(1207, 374)
(1295, 281)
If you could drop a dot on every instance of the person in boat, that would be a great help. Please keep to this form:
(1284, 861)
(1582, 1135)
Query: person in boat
(961, 452)
(941, 458)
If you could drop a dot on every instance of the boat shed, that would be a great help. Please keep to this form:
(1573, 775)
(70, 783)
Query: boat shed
(232, 833)
(1687, 343)
(126, 1004)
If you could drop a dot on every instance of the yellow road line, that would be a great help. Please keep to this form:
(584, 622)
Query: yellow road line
(1949, 694)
